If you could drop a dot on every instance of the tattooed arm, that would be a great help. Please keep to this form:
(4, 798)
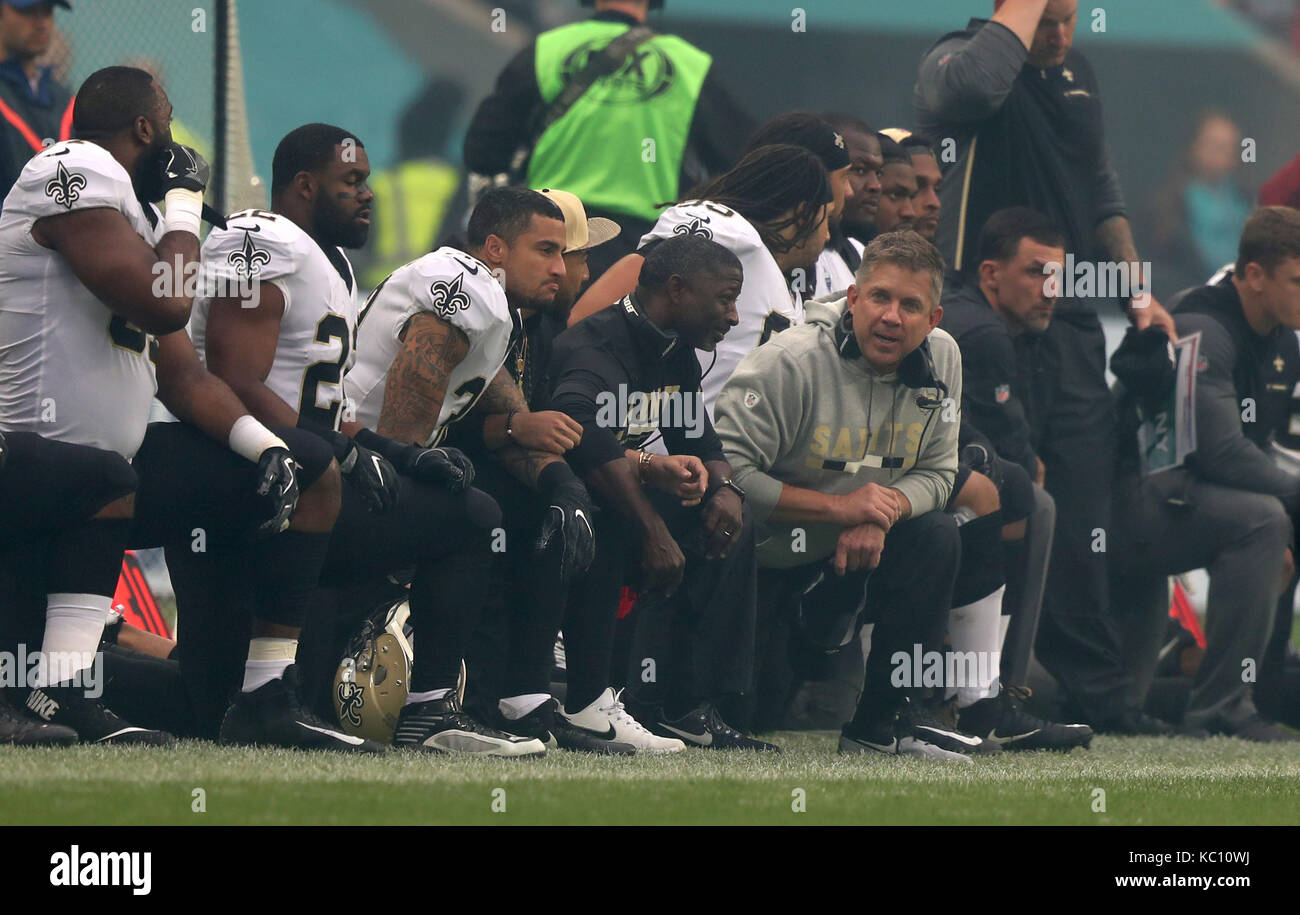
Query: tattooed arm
(1115, 238)
(417, 381)
(503, 397)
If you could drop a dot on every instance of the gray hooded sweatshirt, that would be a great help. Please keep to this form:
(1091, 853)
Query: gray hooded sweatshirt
(806, 410)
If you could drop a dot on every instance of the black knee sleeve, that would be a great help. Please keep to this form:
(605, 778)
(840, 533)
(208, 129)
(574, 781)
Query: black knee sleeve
(288, 571)
(86, 558)
(982, 570)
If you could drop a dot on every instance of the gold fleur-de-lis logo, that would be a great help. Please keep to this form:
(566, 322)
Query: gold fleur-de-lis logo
(249, 260)
(351, 700)
(695, 227)
(448, 297)
(65, 187)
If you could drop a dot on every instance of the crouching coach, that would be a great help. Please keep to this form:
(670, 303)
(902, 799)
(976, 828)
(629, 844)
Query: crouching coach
(843, 432)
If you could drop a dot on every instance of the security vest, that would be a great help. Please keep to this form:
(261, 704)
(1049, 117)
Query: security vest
(620, 146)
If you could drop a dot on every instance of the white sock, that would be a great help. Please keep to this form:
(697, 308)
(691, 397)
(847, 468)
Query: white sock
(426, 696)
(268, 659)
(975, 628)
(516, 707)
(74, 624)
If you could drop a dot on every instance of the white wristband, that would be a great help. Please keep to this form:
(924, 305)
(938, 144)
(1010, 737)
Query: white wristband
(249, 438)
(184, 211)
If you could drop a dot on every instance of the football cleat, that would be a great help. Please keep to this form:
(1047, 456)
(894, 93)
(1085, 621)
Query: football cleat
(883, 737)
(539, 723)
(704, 727)
(1003, 720)
(441, 726)
(19, 730)
(606, 722)
(938, 725)
(93, 723)
(272, 715)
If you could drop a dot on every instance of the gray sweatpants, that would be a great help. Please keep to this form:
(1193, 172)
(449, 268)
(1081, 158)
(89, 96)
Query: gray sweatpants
(1240, 538)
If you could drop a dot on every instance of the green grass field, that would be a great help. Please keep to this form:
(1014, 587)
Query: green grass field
(1147, 781)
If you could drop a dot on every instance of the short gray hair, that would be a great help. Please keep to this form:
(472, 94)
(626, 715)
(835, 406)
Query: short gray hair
(906, 249)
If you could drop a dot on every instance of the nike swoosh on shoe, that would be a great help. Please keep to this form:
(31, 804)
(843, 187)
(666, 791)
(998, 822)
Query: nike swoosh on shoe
(700, 740)
(951, 735)
(1006, 740)
(337, 735)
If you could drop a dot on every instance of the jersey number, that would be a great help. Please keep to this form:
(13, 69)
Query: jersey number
(330, 327)
(129, 337)
(472, 389)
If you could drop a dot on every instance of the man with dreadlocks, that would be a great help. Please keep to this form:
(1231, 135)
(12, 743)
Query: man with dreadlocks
(771, 211)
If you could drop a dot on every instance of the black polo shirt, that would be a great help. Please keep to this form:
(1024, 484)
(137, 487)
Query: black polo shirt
(624, 379)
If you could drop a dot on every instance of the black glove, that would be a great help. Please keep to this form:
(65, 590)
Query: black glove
(182, 167)
(448, 466)
(277, 482)
(368, 470)
(568, 517)
(3, 451)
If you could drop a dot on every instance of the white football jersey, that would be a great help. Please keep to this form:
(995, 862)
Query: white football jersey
(833, 274)
(318, 329)
(70, 369)
(456, 287)
(766, 304)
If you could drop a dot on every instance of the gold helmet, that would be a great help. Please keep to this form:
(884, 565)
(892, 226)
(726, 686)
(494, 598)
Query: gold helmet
(373, 679)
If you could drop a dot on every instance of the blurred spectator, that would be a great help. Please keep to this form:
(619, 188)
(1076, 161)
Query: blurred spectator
(35, 107)
(1277, 18)
(1283, 189)
(419, 195)
(1197, 216)
(658, 123)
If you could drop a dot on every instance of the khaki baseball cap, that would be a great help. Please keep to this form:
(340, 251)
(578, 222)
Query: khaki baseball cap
(581, 233)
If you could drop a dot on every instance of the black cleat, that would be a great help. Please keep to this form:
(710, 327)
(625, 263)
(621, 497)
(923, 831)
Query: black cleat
(93, 723)
(704, 727)
(938, 725)
(441, 726)
(272, 716)
(19, 730)
(1004, 721)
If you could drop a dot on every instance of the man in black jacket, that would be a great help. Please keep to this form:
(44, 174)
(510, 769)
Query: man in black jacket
(674, 525)
(1024, 110)
(36, 109)
(1227, 508)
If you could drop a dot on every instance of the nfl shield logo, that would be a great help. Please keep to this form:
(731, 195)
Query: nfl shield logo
(751, 398)
(1002, 393)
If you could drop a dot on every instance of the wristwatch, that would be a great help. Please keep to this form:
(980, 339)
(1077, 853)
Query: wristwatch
(728, 483)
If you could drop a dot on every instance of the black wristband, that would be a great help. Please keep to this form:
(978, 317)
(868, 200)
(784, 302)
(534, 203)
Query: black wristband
(373, 441)
(554, 475)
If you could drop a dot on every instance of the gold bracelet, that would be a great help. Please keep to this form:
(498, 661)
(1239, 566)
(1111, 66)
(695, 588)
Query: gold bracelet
(643, 465)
